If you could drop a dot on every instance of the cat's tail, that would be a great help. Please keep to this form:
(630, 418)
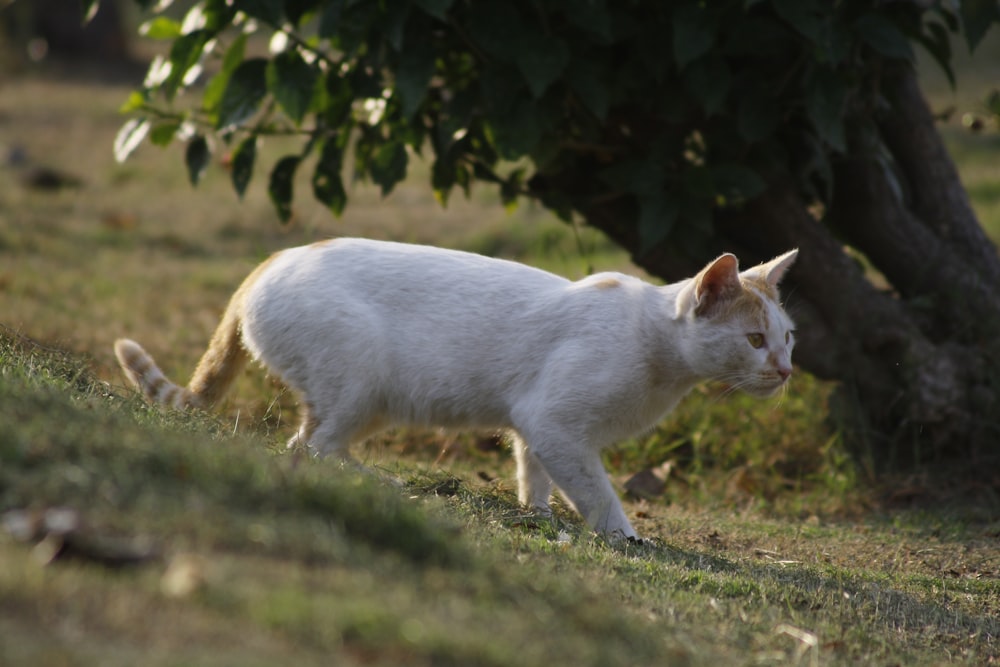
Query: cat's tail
(219, 366)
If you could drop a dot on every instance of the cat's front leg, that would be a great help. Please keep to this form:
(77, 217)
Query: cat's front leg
(578, 472)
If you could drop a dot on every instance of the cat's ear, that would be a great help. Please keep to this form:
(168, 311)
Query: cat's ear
(774, 271)
(716, 283)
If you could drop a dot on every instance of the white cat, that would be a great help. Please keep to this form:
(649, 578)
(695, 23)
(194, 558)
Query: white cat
(372, 334)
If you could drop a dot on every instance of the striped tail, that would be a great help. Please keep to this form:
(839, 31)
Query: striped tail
(219, 366)
(147, 377)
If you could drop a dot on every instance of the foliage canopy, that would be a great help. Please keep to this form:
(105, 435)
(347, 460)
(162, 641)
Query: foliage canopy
(679, 106)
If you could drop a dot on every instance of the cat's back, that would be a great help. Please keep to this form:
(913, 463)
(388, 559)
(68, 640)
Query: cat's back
(399, 267)
(443, 292)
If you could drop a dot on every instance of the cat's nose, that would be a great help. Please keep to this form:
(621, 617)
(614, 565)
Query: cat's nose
(785, 373)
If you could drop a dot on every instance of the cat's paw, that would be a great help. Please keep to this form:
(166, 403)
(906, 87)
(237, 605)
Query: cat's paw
(643, 542)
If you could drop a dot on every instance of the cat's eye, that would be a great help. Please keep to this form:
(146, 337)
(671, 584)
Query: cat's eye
(756, 340)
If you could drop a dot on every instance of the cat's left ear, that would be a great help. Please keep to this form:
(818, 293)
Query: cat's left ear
(772, 272)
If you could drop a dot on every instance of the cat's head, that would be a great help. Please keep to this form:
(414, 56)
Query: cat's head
(742, 335)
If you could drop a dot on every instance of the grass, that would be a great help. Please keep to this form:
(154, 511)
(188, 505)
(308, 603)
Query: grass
(264, 557)
(770, 547)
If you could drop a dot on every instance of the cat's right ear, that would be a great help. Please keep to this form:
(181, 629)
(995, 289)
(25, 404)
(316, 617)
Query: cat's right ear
(716, 283)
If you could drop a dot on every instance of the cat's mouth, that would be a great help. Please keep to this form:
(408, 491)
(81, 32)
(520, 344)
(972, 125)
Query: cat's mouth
(757, 388)
(768, 387)
(763, 386)
(767, 391)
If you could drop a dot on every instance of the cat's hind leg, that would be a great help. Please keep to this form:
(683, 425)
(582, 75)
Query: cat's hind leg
(307, 424)
(534, 486)
(328, 439)
(337, 420)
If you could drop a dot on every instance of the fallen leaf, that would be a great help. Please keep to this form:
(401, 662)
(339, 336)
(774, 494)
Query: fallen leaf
(644, 485)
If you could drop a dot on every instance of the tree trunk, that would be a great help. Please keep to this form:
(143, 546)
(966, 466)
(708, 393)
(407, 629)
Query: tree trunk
(918, 361)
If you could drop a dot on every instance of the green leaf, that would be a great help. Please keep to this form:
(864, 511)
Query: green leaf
(937, 41)
(292, 82)
(197, 157)
(234, 54)
(736, 182)
(637, 176)
(542, 59)
(516, 133)
(388, 165)
(880, 34)
(243, 160)
(657, 216)
(804, 16)
(163, 133)
(816, 170)
(497, 29)
(709, 80)
(88, 9)
(280, 188)
(246, 88)
(329, 19)
(218, 14)
(759, 36)
(365, 82)
(695, 233)
(825, 101)
(443, 176)
(694, 34)
(160, 27)
(502, 87)
(328, 187)
(339, 99)
(413, 77)
(436, 8)
(296, 9)
(136, 100)
(593, 16)
(216, 87)
(978, 16)
(185, 53)
(396, 25)
(271, 12)
(585, 80)
(758, 114)
(511, 188)
(698, 182)
(355, 22)
(129, 137)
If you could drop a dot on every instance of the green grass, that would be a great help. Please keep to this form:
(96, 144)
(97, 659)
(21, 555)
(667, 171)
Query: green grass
(289, 558)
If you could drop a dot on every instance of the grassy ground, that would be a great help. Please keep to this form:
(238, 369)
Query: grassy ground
(193, 546)
(770, 547)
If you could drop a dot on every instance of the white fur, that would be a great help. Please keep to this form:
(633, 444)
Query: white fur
(373, 334)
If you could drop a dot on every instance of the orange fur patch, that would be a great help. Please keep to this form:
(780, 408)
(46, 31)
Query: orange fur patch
(225, 356)
(606, 283)
(748, 305)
